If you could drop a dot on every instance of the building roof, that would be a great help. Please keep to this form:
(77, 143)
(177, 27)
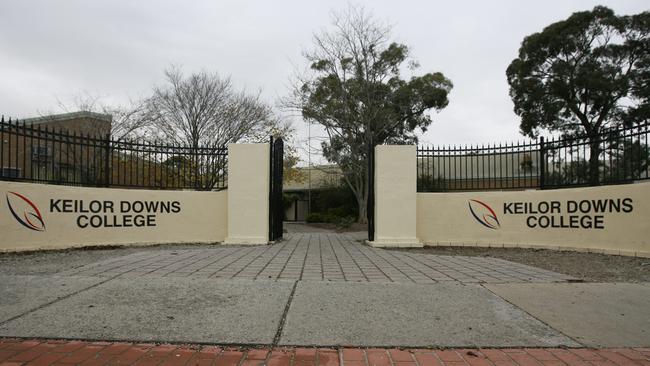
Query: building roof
(68, 116)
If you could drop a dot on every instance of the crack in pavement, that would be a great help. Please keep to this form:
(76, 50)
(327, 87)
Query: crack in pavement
(283, 319)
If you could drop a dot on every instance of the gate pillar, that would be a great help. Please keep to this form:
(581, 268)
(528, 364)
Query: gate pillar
(395, 208)
(248, 194)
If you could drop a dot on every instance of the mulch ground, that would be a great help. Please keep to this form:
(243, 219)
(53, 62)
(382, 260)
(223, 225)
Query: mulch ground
(591, 267)
(15, 352)
(355, 227)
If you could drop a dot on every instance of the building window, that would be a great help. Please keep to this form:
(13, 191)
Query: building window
(67, 173)
(40, 153)
(10, 173)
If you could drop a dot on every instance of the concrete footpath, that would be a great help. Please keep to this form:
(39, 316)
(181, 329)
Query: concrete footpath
(374, 299)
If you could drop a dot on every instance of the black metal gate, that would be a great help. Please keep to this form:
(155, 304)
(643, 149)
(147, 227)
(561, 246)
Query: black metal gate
(276, 206)
(370, 208)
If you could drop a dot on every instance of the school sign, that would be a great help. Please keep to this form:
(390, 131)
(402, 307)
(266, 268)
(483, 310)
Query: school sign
(612, 219)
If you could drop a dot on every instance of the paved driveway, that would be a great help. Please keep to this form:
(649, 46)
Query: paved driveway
(316, 257)
(312, 289)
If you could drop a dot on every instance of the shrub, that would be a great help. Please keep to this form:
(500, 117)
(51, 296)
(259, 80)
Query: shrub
(314, 217)
(338, 212)
(339, 202)
(345, 222)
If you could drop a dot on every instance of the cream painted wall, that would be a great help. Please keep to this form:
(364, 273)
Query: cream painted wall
(202, 216)
(446, 219)
(395, 196)
(248, 194)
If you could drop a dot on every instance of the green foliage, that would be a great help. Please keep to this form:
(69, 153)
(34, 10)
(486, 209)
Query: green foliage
(620, 161)
(314, 217)
(569, 173)
(370, 98)
(331, 218)
(290, 171)
(358, 94)
(334, 206)
(429, 183)
(288, 199)
(526, 163)
(583, 74)
(574, 76)
(337, 201)
(631, 160)
(345, 222)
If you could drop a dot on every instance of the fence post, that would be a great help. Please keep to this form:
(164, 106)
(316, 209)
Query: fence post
(107, 162)
(276, 204)
(395, 196)
(542, 163)
(271, 208)
(249, 169)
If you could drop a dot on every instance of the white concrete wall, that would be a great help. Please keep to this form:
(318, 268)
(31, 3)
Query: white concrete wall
(616, 221)
(395, 196)
(51, 216)
(58, 217)
(623, 228)
(248, 194)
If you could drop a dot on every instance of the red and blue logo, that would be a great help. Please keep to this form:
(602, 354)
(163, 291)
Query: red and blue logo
(25, 211)
(484, 214)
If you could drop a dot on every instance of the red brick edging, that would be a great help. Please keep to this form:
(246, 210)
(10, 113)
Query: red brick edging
(16, 352)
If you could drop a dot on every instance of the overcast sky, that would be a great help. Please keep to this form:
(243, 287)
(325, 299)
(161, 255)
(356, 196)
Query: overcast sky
(53, 50)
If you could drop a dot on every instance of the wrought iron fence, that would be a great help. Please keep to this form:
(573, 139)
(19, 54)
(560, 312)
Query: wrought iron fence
(31, 153)
(611, 157)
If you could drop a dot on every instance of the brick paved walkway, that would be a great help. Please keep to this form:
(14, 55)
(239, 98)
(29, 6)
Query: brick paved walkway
(317, 257)
(43, 353)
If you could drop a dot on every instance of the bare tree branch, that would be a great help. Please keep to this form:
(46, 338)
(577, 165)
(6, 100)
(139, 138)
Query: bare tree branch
(205, 109)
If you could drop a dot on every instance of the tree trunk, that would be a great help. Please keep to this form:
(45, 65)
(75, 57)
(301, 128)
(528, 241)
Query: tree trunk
(594, 163)
(363, 210)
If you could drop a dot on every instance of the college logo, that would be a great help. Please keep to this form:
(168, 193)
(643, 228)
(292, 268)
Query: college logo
(484, 214)
(25, 211)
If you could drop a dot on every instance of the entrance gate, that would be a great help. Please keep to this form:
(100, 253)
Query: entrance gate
(370, 210)
(276, 205)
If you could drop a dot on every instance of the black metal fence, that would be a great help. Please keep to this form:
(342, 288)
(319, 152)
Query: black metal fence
(32, 153)
(611, 157)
